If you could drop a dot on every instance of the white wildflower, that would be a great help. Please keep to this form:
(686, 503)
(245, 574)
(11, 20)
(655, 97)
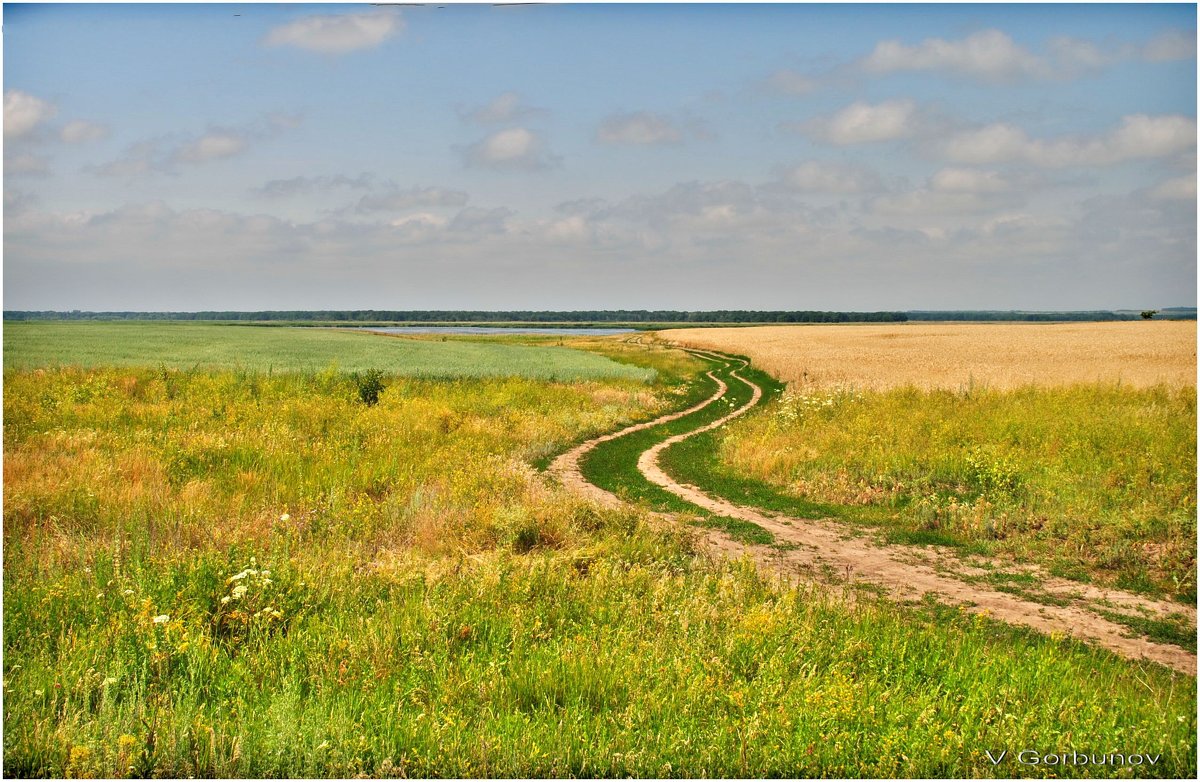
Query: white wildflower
(162, 619)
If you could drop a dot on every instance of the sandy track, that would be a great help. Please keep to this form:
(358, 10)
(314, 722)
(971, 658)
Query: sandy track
(820, 548)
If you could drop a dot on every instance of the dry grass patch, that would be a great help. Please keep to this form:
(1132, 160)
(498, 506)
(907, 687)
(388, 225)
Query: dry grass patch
(955, 355)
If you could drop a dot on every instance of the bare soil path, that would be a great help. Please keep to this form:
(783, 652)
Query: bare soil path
(824, 550)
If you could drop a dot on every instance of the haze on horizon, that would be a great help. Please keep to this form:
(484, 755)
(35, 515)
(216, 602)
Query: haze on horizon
(599, 157)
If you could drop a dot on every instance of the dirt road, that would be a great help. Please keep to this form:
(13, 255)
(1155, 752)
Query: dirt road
(825, 550)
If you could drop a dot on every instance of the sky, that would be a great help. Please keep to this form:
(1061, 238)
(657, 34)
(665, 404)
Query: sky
(692, 157)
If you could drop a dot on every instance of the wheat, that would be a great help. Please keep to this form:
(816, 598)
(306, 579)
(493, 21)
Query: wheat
(958, 355)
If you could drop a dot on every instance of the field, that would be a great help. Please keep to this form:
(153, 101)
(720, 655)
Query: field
(280, 349)
(228, 571)
(954, 356)
(1093, 481)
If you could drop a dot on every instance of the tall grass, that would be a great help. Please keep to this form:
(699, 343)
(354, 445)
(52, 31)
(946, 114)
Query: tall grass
(234, 573)
(1095, 481)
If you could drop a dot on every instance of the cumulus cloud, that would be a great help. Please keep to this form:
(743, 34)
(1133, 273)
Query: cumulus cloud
(993, 56)
(476, 221)
(1138, 136)
(398, 200)
(79, 131)
(303, 185)
(969, 180)
(815, 176)
(25, 164)
(23, 113)
(990, 54)
(1178, 189)
(862, 122)
(164, 154)
(790, 82)
(337, 33)
(511, 149)
(211, 146)
(929, 201)
(138, 159)
(1171, 45)
(639, 128)
(506, 107)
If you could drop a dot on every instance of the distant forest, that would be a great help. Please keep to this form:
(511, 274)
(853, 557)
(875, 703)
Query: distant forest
(606, 316)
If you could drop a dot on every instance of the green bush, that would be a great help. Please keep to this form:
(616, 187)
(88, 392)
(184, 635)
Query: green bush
(370, 385)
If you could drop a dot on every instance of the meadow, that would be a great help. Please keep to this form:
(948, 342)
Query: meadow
(229, 571)
(182, 345)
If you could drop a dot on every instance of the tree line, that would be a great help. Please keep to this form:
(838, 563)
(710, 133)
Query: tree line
(485, 316)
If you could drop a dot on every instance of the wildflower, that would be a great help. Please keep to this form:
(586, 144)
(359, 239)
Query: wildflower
(225, 600)
(110, 680)
(127, 592)
(285, 517)
(162, 619)
(239, 591)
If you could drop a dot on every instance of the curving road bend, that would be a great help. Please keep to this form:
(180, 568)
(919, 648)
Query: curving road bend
(903, 572)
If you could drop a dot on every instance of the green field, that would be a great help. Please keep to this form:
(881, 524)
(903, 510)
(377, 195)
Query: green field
(188, 345)
(229, 572)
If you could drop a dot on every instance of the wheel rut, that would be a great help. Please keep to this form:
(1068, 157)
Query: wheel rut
(824, 550)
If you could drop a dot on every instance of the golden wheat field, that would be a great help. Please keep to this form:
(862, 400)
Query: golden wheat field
(954, 355)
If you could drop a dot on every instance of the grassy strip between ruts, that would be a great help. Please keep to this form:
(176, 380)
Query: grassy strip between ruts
(612, 465)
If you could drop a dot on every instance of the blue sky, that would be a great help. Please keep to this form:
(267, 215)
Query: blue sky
(692, 157)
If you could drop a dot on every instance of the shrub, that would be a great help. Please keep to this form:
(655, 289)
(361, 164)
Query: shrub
(370, 385)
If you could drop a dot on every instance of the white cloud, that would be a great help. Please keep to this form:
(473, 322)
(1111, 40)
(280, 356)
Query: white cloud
(1171, 45)
(641, 128)
(26, 164)
(506, 107)
(139, 159)
(969, 180)
(1179, 189)
(24, 112)
(211, 146)
(862, 122)
(1138, 136)
(821, 177)
(990, 54)
(927, 201)
(79, 131)
(301, 185)
(337, 33)
(475, 221)
(993, 56)
(397, 200)
(790, 82)
(514, 148)
(165, 153)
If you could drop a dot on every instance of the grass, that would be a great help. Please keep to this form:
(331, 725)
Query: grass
(612, 465)
(225, 572)
(1094, 477)
(201, 345)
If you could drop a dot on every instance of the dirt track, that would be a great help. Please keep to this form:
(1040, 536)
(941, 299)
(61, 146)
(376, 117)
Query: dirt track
(819, 548)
